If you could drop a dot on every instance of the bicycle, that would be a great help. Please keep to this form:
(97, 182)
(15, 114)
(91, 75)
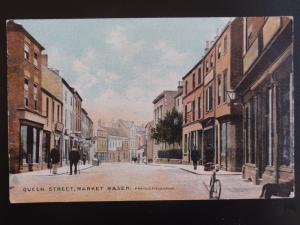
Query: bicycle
(215, 187)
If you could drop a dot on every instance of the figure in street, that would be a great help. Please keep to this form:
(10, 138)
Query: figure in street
(55, 158)
(195, 157)
(74, 158)
(84, 157)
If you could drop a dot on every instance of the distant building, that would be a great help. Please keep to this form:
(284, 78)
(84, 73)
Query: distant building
(149, 141)
(162, 104)
(116, 140)
(178, 97)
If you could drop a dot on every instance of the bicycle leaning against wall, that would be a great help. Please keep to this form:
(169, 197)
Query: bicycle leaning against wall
(215, 187)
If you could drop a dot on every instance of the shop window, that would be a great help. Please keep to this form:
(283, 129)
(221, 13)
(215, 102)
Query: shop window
(253, 118)
(284, 112)
(269, 126)
(29, 144)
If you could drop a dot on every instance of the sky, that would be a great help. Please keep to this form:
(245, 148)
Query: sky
(119, 66)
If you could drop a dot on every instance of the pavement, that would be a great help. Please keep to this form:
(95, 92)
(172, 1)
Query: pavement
(127, 182)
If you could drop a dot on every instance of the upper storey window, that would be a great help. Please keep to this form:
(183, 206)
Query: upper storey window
(26, 51)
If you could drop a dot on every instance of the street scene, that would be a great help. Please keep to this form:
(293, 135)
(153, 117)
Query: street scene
(150, 109)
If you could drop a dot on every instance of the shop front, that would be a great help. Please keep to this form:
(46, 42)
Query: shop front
(31, 136)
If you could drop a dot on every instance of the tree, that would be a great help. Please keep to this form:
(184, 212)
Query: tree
(168, 129)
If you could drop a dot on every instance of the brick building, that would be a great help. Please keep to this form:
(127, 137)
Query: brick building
(102, 142)
(267, 95)
(210, 121)
(52, 100)
(25, 120)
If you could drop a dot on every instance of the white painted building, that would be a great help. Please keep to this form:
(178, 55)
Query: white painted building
(68, 118)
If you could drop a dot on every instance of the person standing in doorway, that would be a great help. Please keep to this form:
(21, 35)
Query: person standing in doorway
(55, 158)
(195, 157)
(74, 158)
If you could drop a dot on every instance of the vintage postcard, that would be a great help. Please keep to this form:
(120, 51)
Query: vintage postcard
(150, 109)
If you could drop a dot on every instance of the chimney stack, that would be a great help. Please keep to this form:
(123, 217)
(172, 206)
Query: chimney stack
(44, 60)
(207, 47)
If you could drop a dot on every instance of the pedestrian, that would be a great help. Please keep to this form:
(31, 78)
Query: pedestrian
(74, 158)
(195, 157)
(84, 157)
(55, 158)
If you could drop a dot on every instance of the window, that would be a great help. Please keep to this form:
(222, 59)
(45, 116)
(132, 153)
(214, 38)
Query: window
(58, 112)
(211, 60)
(26, 101)
(225, 44)
(193, 109)
(185, 114)
(199, 76)
(199, 107)
(219, 52)
(209, 98)
(285, 129)
(71, 100)
(26, 51)
(53, 110)
(47, 107)
(219, 90)
(66, 96)
(193, 80)
(269, 127)
(35, 59)
(225, 86)
(253, 118)
(186, 87)
(65, 117)
(35, 90)
(206, 66)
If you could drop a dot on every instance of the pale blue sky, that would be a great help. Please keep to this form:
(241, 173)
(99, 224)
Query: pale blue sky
(120, 65)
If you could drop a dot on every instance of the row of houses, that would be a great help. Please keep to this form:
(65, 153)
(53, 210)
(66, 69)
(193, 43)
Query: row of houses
(44, 111)
(120, 141)
(238, 101)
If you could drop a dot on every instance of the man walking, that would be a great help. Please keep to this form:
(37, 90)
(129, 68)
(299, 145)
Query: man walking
(195, 157)
(55, 158)
(74, 158)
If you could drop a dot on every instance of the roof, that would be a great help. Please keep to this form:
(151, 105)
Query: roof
(84, 111)
(12, 26)
(127, 124)
(76, 93)
(161, 95)
(208, 51)
(115, 132)
(68, 86)
(51, 95)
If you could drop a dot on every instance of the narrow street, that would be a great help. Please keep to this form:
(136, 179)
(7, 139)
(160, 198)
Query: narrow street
(124, 182)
